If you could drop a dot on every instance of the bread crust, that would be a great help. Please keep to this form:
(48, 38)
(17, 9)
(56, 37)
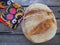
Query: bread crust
(46, 25)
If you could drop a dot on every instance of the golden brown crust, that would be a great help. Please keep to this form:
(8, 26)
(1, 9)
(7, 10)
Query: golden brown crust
(42, 27)
(37, 11)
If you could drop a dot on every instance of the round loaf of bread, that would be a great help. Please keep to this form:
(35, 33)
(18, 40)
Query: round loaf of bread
(39, 23)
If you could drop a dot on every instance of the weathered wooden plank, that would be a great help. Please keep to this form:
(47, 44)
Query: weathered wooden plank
(19, 30)
(47, 2)
(21, 40)
(4, 29)
(58, 25)
(56, 11)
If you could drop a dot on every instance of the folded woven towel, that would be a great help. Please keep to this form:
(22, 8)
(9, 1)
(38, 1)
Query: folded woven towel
(11, 13)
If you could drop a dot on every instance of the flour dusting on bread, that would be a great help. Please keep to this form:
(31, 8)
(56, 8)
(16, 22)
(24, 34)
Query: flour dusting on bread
(39, 23)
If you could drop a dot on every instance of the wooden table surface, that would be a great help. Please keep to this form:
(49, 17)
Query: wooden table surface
(9, 37)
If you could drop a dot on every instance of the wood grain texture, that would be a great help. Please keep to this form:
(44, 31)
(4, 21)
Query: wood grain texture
(56, 11)
(21, 40)
(58, 25)
(19, 29)
(47, 2)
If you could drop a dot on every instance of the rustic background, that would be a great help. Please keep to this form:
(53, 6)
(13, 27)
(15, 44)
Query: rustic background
(10, 37)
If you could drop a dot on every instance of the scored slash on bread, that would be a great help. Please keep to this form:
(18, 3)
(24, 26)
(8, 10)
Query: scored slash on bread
(42, 27)
(39, 23)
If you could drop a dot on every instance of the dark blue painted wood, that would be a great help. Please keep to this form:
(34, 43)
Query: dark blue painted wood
(21, 40)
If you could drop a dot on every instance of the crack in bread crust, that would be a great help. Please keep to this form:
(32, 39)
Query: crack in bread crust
(42, 27)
